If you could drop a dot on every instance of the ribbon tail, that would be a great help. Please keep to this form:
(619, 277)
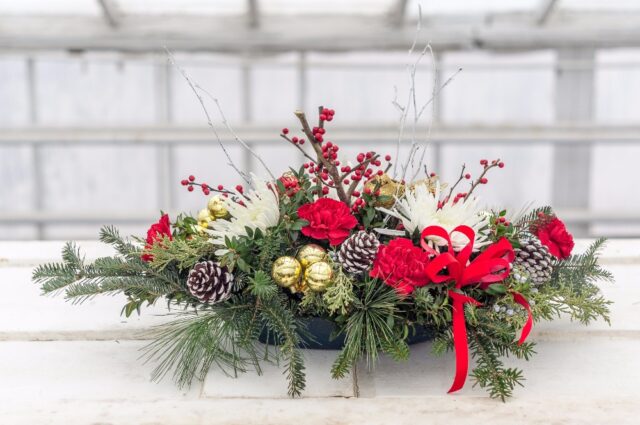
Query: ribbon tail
(460, 341)
(520, 299)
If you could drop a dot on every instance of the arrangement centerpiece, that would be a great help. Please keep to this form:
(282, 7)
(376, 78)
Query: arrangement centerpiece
(346, 255)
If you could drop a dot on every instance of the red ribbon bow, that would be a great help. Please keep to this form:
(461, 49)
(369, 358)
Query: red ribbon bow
(491, 266)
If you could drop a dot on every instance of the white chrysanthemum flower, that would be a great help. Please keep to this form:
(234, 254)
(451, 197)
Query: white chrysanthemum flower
(418, 209)
(261, 210)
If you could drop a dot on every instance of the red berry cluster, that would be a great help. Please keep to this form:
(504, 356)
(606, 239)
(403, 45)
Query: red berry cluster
(326, 171)
(502, 221)
(462, 196)
(327, 114)
(190, 183)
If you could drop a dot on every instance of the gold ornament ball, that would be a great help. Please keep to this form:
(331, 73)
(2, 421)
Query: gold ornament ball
(318, 276)
(388, 188)
(310, 254)
(217, 207)
(286, 271)
(204, 217)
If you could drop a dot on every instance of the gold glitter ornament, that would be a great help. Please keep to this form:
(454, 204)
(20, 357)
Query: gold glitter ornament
(310, 254)
(204, 217)
(286, 272)
(217, 207)
(388, 188)
(318, 276)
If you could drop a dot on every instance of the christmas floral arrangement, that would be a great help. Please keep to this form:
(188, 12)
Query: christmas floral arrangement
(347, 255)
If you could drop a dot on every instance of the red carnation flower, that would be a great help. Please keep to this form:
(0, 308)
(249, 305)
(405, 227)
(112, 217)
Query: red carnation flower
(328, 219)
(156, 233)
(554, 235)
(401, 265)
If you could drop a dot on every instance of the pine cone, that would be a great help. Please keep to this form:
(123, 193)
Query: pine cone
(356, 254)
(536, 260)
(209, 282)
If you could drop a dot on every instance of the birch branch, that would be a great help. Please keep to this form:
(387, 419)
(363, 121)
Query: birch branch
(233, 133)
(192, 85)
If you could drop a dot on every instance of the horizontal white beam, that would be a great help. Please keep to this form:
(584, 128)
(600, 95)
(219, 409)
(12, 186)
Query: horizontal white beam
(137, 33)
(554, 134)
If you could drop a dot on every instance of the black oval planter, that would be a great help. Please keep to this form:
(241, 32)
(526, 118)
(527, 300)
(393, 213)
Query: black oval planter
(322, 331)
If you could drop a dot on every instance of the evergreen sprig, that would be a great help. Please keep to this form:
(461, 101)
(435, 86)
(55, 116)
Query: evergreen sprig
(369, 328)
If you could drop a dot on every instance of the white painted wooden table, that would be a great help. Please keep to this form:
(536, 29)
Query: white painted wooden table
(68, 364)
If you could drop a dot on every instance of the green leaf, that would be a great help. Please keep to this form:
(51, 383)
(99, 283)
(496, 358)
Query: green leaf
(497, 289)
(298, 224)
(242, 265)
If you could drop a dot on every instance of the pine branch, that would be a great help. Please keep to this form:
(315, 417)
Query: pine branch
(490, 372)
(190, 345)
(280, 320)
(369, 328)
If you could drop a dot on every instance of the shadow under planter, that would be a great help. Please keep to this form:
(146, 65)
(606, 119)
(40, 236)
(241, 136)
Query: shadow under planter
(323, 335)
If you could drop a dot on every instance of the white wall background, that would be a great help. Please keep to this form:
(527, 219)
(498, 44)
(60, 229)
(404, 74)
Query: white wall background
(119, 90)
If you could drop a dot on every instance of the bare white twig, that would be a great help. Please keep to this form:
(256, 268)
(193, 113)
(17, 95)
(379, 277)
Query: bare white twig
(193, 87)
(405, 109)
(434, 88)
(439, 89)
(233, 133)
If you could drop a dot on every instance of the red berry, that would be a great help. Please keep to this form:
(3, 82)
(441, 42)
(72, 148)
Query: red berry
(484, 180)
(184, 182)
(380, 172)
(325, 111)
(387, 157)
(346, 181)
(367, 191)
(483, 162)
(330, 118)
(191, 178)
(294, 139)
(432, 175)
(467, 176)
(360, 157)
(369, 155)
(501, 164)
(325, 190)
(319, 137)
(301, 142)
(323, 117)
(206, 191)
(239, 188)
(321, 130)
(285, 131)
(355, 193)
(190, 188)
(220, 187)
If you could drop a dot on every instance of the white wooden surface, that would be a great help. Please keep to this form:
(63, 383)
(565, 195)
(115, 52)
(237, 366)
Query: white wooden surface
(68, 364)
